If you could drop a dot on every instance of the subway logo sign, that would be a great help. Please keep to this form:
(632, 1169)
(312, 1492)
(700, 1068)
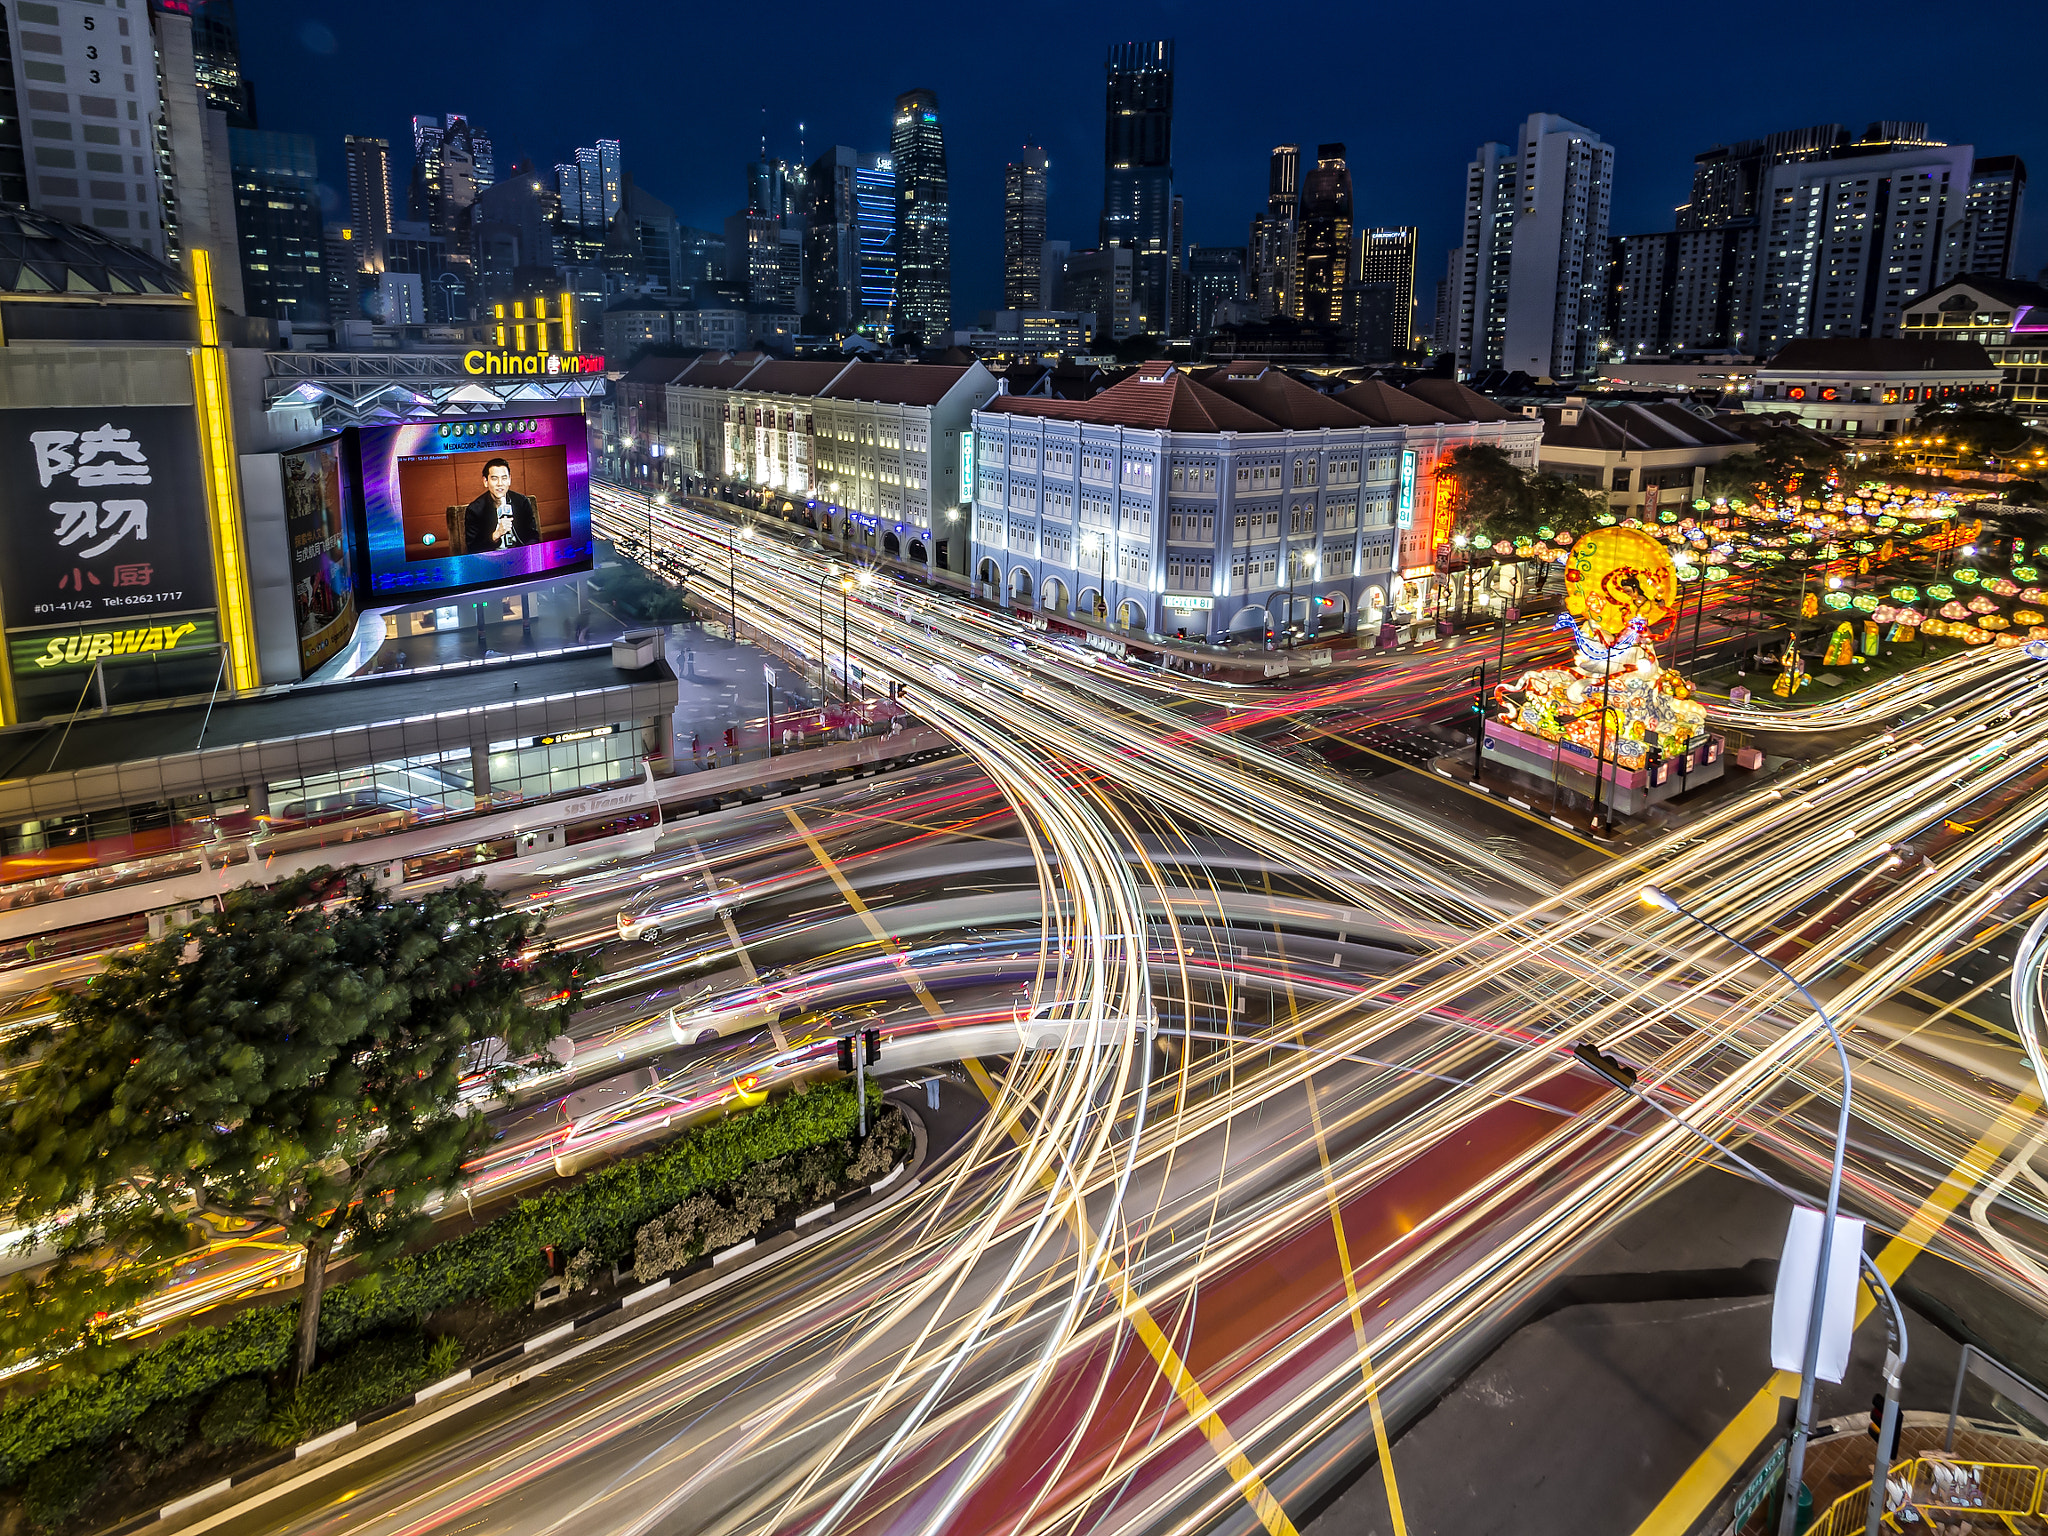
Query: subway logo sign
(112, 642)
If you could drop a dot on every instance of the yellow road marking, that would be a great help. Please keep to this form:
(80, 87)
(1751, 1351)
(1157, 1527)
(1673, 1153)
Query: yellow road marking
(1357, 1307)
(881, 936)
(1709, 1475)
(1244, 1476)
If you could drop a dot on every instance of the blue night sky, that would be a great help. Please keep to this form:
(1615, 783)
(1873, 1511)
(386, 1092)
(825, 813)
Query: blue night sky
(1412, 91)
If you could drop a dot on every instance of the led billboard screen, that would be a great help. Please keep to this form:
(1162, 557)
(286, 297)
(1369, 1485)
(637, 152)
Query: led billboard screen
(452, 506)
(323, 578)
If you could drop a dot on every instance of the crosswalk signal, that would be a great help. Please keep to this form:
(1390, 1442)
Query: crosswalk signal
(846, 1054)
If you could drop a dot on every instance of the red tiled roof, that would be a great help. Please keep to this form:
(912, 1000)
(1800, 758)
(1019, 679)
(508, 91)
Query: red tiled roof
(1385, 406)
(1281, 400)
(1462, 403)
(779, 376)
(1175, 403)
(896, 383)
(710, 373)
(656, 369)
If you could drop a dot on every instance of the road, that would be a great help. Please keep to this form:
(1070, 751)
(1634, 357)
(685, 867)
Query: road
(1316, 1130)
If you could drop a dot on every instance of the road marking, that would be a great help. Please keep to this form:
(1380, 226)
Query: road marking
(1715, 1467)
(739, 949)
(890, 944)
(1194, 1401)
(1357, 1307)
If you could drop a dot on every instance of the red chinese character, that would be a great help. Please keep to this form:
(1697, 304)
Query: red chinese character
(77, 579)
(133, 575)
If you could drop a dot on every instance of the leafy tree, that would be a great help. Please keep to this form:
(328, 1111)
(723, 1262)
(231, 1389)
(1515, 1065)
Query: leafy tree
(1788, 461)
(1493, 492)
(293, 1062)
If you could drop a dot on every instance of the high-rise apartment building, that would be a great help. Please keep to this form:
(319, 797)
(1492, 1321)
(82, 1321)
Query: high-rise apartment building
(1137, 187)
(277, 220)
(1383, 297)
(369, 185)
(1323, 245)
(1272, 242)
(1983, 245)
(1533, 267)
(1641, 286)
(1024, 229)
(924, 246)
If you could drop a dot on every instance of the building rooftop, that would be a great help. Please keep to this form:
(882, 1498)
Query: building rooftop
(1385, 406)
(721, 370)
(39, 254)
(657, 368)
(1281, 400)
(779, 377)
(1880, 354)
(1612, 425)
(896, 383)
(1159, 396)
(2017, 292)
(1465, 404)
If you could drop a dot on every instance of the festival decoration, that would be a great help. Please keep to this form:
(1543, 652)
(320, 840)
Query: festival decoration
(1841, 646)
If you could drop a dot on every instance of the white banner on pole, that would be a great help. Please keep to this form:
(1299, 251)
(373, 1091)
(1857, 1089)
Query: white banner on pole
(1793, 1305)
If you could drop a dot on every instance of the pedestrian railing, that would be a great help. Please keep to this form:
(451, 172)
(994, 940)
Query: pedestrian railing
(1930, 1490)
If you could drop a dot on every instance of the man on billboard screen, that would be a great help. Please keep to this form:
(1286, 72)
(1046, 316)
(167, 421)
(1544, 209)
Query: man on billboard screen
(501, 518)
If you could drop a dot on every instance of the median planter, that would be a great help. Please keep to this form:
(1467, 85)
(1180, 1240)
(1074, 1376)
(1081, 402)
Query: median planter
(423, 1314)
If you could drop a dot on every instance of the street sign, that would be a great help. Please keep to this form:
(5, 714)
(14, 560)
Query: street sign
(1758, 1488)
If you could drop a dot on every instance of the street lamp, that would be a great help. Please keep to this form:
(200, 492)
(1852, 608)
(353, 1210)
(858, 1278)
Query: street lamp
(846, 585)
(732, 550)
(1802, 1420)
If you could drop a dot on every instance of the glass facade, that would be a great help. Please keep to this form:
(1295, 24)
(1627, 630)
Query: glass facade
(545, 765)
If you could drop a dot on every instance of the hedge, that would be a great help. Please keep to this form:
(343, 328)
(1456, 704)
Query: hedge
(498, 1259)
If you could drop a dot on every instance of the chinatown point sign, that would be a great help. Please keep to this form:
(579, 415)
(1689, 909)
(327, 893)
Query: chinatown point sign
(533, 364)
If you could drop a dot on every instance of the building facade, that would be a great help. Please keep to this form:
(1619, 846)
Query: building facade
(924, 242)
(1272, 239)
(1137, 187)
(368, 163)
(1533, 268)
(2006, 317)
(1871, 386)
(1643, 457)
(1208, 509)
(1024, 229)
(277, 221)
(1216, 275)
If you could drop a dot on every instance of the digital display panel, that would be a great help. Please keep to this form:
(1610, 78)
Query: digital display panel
(323, 577)
(451, 506)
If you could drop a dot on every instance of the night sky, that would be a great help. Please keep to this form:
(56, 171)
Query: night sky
(1411, 90)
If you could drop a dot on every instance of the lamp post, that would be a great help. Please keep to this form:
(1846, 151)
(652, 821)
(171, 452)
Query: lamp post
(846, 585)
(732, 565)
(1802, 1419)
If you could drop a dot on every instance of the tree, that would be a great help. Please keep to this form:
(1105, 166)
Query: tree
(1493, 491)
(294, 1062)
(1788, 461)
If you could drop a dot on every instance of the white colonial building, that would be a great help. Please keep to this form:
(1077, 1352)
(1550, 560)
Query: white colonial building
(1203, 509)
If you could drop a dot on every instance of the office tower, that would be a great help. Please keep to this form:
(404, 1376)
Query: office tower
(1137, 189)
(102, 155)
(874, 184)
(771, 189)
(603, 206)
(850, 243)
(519, 244)
(1383, 298)
(369, 185)
(590, 197)
(217, 57)
(1272, 242)
(1216, 274)
(1533, 266)
(1443, 330)
(643, 253)
(277, 220)
(924, 252)
(452, 163)
(569, 190)
(1103, 283)
(1052, 271)
(1024, 229)
(1323, 245)
(1984, 236)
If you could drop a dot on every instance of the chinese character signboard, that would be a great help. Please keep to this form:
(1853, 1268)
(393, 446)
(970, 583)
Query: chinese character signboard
(102, 515)
(315, 523)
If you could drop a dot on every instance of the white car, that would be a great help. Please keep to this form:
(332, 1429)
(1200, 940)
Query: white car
(663, 912)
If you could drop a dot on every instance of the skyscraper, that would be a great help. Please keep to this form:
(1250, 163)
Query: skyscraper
(1324, 242)
(874, 191)
(452, 163)
(569, 188)
(277, 219)
(1272, 243)
(1216, 275)
(1533, 268)
(1383, 301)
(1137, 186)
(369, 185)
(217, 60)
(924, 249)
(850, 243)
(1990, 223)
(1024, 228)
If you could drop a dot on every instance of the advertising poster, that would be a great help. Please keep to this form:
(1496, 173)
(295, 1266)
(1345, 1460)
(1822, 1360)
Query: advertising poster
(452, 506)
(104, 515)
(316, 522)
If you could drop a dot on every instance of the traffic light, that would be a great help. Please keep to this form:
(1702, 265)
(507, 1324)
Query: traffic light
(1876, 1415)
(873, 1037)
(1615, 1070)
(846, 1054)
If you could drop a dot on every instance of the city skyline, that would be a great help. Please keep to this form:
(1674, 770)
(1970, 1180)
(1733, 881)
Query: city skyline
(691, 148)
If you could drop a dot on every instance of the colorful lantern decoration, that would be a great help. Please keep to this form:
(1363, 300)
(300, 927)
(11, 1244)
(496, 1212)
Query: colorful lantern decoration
(1841, 646)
